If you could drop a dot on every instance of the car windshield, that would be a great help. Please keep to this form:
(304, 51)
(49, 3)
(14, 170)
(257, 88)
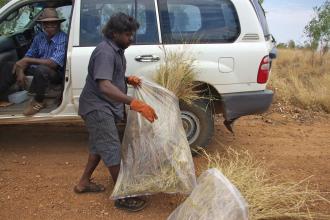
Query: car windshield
(19, 19)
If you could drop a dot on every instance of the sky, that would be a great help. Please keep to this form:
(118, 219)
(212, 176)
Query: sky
(287, 18)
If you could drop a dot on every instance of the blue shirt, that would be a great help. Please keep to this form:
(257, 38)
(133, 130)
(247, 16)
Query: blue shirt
(53, 49)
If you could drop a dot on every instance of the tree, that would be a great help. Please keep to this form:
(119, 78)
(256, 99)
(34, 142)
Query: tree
(282, 45)
(3, 2)
(261, 1)
(291, 44)
(318, 29)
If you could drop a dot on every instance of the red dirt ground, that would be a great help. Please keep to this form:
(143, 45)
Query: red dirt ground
(40, 164)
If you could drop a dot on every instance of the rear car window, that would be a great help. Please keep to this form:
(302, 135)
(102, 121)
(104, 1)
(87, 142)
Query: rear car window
(262, 18)
(196, 21)
(95, 13)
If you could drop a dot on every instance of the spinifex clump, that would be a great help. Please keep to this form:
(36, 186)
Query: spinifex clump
(267, 198)
(179, 75)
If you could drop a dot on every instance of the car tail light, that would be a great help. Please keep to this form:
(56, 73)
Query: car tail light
(263, 71)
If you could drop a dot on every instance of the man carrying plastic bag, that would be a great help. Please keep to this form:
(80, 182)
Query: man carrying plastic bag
(156, 157)
(102, 102)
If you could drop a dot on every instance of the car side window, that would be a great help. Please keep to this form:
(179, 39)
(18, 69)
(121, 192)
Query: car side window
(65, 12)
(262, 18)
(184, 18)
(191, 21)
(95, 13)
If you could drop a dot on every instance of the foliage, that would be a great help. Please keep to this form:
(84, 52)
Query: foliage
(281, 45)
(318, 29)
(3, 2)
(267, 197)
(291, 44)
(261, 1)
(302, 78)
(178, 74)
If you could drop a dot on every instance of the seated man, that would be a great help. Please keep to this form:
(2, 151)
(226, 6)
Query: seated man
(44, 60)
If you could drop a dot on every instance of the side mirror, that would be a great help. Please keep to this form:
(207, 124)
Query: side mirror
(273, 53)
(273, 39)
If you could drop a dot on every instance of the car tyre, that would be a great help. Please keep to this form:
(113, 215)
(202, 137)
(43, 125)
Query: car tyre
(198, 122)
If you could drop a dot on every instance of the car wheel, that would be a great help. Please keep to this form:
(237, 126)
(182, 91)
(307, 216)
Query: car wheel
(197, 120)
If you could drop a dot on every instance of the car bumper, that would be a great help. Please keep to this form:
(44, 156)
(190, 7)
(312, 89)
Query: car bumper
(235, 105)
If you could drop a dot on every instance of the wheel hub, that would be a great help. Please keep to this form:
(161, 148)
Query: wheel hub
(191, 125)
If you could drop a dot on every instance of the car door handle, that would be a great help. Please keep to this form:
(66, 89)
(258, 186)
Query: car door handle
(147, 58)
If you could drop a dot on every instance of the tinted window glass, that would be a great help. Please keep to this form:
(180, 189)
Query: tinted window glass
(95, 14)
(187, 21)
(65, 12)
(262, 17)
(184, 18)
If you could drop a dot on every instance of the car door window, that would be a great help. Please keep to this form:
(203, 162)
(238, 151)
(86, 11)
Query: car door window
(95, 14)
(184, 18)
(65, 12)
(192, 21)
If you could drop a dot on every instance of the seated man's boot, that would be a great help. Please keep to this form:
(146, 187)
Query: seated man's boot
(33, 108)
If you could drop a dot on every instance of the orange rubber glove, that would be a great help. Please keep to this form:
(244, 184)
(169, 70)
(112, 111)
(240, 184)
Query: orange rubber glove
(134, 81)
(145, 110)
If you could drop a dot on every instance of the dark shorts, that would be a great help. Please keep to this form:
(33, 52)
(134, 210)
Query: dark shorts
(103, 137)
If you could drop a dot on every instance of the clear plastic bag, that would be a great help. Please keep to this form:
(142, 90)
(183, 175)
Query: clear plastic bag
(156, 156)
(214, 198)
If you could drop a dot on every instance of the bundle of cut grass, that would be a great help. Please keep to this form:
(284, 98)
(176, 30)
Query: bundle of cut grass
(267, 198)
(178, 74)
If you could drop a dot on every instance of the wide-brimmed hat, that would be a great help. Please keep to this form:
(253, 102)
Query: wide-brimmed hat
(50, 14)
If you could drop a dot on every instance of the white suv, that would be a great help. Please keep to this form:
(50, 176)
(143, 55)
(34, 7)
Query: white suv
(232, 46)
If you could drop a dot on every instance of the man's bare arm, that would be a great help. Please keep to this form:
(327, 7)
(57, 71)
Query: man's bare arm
(26, 61)
(113, 92)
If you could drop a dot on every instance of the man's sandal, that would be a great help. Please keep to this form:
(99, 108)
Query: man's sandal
(91, 187)
(33, 108)
(133, 204)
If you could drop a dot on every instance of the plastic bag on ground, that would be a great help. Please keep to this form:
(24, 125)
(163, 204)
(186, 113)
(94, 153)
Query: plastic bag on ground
(156, 157)
(214, 198)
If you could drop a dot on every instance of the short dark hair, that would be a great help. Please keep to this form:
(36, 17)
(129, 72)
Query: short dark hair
(120, 23)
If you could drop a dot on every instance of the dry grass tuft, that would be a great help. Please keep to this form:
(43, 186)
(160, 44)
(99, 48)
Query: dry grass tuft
(178, 74)
(302, 78)
(267, 197)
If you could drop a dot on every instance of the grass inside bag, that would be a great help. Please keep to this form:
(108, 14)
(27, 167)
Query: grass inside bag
(214, 197)
(156, 157)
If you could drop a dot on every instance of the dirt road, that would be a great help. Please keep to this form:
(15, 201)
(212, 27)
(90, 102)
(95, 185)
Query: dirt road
(39, 166)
